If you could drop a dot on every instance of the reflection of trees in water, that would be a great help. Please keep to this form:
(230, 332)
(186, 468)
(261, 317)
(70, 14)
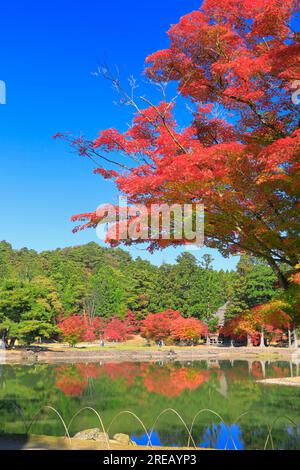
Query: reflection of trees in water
(255, 368)
(227, 388)
(168, 380)
(24, 389)
(171, 381)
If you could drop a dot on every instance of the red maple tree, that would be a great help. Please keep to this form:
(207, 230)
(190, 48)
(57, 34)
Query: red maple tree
(115, 330)
(132, 324)
(78, 328)
(93, 328)
(235, 62)
(72, 329)
(158, 326)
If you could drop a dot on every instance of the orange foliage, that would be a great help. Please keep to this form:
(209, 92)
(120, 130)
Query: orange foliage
(271, 317)
(171, 382)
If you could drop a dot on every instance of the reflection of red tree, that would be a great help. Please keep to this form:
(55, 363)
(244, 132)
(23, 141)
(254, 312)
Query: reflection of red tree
(127, 371)
(257, 370)
(171, 381)
(89, 371)
(73, 379)
(279, 371)
(275, 370)
(70, 381)
(242, 371)
(237, 373)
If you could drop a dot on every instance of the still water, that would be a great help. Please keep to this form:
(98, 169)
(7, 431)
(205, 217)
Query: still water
(235, 410)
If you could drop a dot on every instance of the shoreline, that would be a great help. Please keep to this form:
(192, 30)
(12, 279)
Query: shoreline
(146, 355)
(286, 381)
(35, 442)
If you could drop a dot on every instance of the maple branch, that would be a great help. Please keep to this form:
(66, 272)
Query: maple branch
(124, 167)
(251, 105)
(163, 118)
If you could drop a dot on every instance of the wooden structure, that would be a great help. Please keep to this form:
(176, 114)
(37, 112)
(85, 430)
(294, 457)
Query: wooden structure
(213, 339)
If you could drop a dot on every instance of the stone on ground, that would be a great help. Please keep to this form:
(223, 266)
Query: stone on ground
(92, 435)
(122, 439)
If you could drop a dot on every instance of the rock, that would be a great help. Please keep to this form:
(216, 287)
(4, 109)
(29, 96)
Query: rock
(92, 435)
(123, 439)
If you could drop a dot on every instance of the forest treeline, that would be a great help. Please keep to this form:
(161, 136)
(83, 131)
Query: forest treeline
(38, 288)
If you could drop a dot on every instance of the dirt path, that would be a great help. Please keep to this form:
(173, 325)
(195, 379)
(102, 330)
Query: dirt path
(287, 381)
(64, 355)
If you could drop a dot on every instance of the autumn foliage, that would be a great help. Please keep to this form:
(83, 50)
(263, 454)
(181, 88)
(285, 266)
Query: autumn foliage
(72, 329)
(168, 325)
(158, 326)
(76, 328)
(189, 330)
(236, 63)
(115, 330)
(132, 324)
(269, 318)
(172, 327)
(93, 328)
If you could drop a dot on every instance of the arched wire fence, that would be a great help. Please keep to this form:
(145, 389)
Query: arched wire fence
(28, 427)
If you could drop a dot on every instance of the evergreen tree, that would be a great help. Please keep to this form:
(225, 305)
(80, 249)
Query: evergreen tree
(28, 310)
(107, 292)
(255, 284)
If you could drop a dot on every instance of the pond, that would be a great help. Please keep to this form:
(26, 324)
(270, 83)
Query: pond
(229, 408)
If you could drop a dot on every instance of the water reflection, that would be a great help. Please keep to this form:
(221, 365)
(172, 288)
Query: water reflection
(227, 388)
(168, 379)
(216, 437)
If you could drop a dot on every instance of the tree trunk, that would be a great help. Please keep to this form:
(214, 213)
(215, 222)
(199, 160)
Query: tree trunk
(249, 341)
(290, 338)
(262, 338)
(284, 283)
(12, 343)
(295, 339)
(5, 339)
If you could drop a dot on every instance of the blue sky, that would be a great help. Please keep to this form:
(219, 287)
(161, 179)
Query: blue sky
(49, 51)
